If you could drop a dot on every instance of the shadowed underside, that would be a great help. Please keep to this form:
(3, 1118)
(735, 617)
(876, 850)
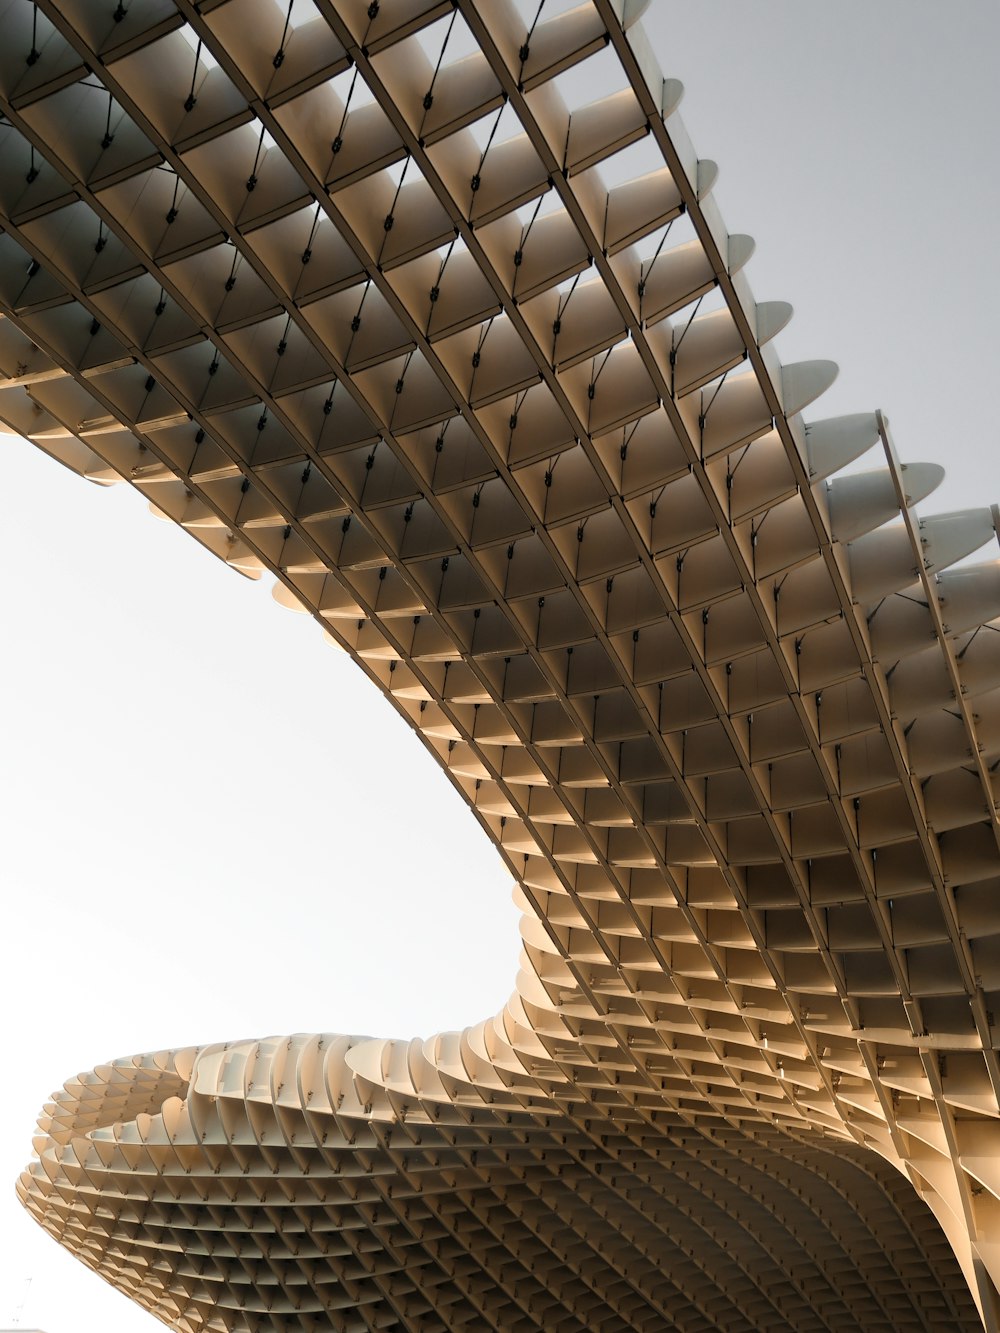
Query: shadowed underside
(299, 1183)
(378, 299)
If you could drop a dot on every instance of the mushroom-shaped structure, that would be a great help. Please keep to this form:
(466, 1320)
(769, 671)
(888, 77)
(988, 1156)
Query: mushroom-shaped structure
(366, 296)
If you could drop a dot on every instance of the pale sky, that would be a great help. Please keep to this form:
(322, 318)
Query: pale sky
(215, 828)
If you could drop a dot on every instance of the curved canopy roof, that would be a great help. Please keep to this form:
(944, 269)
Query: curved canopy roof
(427, 310)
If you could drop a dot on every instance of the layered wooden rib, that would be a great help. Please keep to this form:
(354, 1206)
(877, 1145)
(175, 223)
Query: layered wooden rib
(367, 297)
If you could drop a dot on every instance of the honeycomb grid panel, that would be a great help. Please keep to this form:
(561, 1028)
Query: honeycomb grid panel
(364, 296)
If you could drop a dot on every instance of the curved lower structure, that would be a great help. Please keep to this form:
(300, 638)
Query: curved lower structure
(333, 1182)
(371, 297)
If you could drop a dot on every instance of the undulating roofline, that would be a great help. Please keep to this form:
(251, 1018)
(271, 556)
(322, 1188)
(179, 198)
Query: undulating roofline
(377, 299)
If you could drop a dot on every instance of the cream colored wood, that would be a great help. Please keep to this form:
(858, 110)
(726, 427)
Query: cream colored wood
(362, 300)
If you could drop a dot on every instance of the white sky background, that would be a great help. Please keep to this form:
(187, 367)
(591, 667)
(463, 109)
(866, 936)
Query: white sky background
(214, 827)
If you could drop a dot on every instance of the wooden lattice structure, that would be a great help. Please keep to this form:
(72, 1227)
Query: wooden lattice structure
(371, 297)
